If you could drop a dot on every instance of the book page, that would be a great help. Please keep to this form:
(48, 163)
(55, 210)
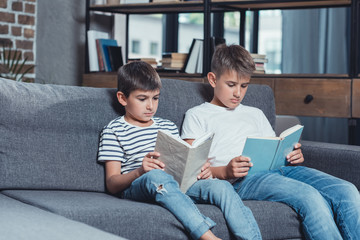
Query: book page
(197, 157)
(286, 146)
(290, 130)
(173, 154)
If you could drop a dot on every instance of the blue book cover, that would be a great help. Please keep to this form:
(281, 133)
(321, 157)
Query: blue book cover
(270, 153)
(104, 43)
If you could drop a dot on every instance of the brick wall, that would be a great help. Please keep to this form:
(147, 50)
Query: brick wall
(17, 28)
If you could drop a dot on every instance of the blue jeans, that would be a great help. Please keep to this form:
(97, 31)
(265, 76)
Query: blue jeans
(160, 187)
(329, 207)
(220, 193)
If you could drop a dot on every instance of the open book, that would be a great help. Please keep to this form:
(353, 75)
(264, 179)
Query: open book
(267, 153)
(182, 160)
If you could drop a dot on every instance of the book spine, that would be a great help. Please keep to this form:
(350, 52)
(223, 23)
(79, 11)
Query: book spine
(100, 55)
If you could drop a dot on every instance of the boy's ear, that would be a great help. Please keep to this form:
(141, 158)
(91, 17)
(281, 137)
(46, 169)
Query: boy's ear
(121, 98)
(212, 79)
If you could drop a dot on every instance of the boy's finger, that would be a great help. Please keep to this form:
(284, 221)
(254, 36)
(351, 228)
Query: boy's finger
(159, 163)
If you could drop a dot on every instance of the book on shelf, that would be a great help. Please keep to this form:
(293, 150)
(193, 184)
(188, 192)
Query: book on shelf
(133, 1)
(182, 160)
(195, 57)
(115, 56)
(151, 61)
(104, 59)
(173, 60)
(92, 49)
(268, 153)
(259, 60)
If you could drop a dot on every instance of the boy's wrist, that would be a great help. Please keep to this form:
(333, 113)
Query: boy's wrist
(219, 172)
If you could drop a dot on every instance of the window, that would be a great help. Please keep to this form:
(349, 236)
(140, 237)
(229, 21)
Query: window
(135, 46)
(270, 39)
(190, 27)
(154, 48)
(145, 35)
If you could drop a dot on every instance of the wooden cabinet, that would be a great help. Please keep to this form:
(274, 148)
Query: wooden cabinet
(355, 103)
(311, 96)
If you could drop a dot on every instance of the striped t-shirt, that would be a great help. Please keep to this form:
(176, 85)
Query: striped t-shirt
(127, 143)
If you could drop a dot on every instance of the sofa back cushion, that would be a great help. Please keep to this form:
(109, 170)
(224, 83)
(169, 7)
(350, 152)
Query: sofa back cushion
(50, 133)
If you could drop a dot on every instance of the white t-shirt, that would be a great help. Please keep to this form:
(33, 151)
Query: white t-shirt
(231, 127)
(127, 143)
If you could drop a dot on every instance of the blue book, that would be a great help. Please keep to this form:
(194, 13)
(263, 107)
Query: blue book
(104, 43)
(268, 153)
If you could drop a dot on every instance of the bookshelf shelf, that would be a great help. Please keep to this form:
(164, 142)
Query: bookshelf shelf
(281, 83)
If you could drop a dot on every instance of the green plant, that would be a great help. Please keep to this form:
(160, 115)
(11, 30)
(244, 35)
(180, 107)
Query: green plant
(11, 66)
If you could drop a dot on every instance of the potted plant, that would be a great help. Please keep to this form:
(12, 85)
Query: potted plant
(11, 65)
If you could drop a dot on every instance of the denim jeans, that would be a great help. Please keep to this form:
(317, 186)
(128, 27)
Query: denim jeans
(329, 207)
(220, 193)
(160, 187)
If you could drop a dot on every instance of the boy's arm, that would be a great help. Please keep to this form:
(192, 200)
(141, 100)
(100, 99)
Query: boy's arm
(237, 167)
(117, 182)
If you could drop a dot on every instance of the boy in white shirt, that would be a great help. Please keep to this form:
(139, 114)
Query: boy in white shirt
(132, 167)
(317, 197)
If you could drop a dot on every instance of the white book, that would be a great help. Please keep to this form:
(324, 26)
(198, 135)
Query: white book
(199, 65)
(93, 55)
(182, 160)
(192, 61)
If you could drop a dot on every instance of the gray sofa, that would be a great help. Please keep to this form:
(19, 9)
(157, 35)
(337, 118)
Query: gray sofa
(51, 186)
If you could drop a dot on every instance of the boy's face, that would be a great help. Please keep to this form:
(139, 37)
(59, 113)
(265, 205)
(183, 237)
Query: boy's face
(140, 106)
(229, 89)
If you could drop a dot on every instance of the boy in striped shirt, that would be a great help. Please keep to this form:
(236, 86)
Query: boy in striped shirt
(132, 167)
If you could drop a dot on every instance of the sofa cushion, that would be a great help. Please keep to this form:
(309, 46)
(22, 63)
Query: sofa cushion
(50, 133)
(22, 221)
(118, 216)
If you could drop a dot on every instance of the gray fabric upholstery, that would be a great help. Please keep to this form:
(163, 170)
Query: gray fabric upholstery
(339, 160)
(50, 133)
(49, 136)
(48, 150)
(19, 221)
(123, 217)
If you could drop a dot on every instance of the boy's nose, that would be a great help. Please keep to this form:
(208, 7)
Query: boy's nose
(237, 92)
(149, 105)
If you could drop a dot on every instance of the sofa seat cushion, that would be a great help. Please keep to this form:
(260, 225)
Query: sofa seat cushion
(22, 221)
(124, 217)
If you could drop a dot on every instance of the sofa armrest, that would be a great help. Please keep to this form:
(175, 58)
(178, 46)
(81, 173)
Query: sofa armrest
(339, 160)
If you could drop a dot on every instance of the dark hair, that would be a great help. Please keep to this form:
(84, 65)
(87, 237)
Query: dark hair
(232, 57)
(137, 75)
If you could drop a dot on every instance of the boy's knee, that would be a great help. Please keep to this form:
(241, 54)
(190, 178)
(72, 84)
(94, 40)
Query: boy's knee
(220, 185)
(157, 174)
(346, 192)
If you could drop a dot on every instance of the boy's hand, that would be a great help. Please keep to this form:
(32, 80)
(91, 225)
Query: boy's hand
(238, 167)
(150, 162)
(205, 172)
(296, 156)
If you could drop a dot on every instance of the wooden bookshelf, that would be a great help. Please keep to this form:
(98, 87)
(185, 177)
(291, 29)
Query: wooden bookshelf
(355, 98)
(109, 79)
(277, 4)
(330, 95)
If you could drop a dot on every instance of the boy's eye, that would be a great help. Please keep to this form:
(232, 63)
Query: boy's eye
(156, 98)
(231, 84)
(244, 85)
(141, 99)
